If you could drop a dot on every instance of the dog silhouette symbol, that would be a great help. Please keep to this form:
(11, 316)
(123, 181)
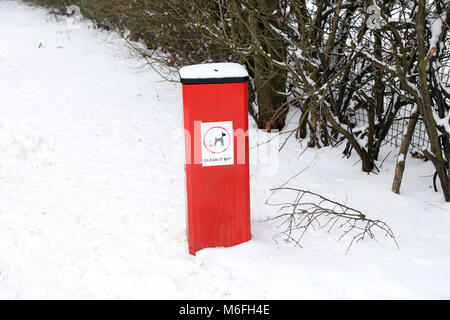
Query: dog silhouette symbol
(219, 140)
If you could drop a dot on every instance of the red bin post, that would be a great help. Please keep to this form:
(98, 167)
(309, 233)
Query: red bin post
(215, 109)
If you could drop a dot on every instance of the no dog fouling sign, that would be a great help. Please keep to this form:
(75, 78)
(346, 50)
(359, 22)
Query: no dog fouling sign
(217, 143)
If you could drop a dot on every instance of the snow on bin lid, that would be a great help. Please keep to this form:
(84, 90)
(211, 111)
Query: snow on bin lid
(213, 73)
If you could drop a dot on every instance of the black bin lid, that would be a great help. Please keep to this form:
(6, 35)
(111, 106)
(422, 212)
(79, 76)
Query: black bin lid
(210, 73)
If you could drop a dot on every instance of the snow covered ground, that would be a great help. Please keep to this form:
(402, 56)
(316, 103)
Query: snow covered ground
(92, 190)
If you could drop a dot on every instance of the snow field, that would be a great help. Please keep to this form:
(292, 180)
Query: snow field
(92, 190)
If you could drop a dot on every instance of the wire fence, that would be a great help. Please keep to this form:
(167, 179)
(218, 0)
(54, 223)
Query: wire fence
(398, 129)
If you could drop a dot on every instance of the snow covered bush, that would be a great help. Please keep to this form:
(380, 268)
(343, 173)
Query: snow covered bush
(329, 58)
(334, 61)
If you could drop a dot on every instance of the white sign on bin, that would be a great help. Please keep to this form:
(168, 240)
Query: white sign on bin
(217, 143)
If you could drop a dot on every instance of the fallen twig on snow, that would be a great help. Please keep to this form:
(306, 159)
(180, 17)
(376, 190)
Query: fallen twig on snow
(323, 213)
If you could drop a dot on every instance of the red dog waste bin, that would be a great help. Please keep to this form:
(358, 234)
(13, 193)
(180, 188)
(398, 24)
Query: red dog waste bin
(215, 108)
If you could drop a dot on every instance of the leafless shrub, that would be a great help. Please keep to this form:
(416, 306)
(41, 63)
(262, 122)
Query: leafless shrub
(319, 56)
(310, 210)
